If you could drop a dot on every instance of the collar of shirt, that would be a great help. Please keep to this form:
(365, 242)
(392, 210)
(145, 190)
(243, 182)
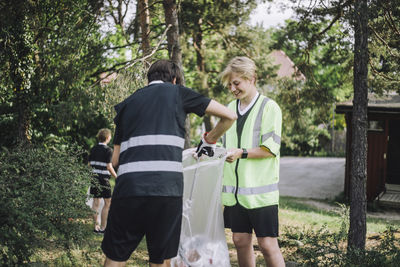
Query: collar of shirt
(154, 82)
(102, 144)
(241, 112)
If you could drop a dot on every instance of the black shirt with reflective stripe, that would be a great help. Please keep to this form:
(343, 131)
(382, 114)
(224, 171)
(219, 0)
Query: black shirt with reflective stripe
(146, 122)
(99, 156)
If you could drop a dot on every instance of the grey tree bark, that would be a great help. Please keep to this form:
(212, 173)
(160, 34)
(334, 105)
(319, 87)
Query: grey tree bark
(174, 48)
(171, 18)
(357, 230)
(144, 22)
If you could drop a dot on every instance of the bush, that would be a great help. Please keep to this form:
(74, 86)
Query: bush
(325, 248)
(43, 195)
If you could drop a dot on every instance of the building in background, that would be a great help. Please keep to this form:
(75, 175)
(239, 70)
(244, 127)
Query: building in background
(287, 69)
(383, 158)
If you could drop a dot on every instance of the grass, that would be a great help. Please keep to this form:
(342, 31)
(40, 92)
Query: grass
(297, 211)
(301, 220)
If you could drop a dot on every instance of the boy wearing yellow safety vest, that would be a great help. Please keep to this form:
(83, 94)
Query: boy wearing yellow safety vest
(250, 185)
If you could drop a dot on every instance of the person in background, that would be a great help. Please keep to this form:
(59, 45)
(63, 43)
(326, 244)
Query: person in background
(251, 173)
(100, 188)
(148, 144)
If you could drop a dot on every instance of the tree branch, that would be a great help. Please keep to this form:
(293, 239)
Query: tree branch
(317, 36)
(228, 40)
(127, 64)
(119, 46)
(111, 9)
(381, 74)
(389, 20)
(383, 41)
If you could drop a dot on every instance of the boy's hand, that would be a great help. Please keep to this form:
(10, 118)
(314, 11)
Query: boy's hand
(205, 148)
(234, 154)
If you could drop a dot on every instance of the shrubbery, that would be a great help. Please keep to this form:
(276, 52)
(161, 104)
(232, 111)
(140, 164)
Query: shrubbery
(323, 247)
(42, 194)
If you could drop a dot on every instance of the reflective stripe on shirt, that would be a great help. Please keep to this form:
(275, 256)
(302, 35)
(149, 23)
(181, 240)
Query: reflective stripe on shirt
(150, 166)
(98, 163)
(156, 139)
(105, 172)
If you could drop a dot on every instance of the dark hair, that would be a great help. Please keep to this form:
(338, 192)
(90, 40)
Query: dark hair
(164, 70)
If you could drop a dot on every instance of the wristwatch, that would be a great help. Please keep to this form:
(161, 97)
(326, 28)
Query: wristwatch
(244, 154)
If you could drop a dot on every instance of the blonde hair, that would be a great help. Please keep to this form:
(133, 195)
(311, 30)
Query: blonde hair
(103, 134)
(244, 66)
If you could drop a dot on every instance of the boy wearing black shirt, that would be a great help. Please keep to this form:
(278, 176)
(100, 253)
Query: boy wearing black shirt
(100, 188)
(148, 144)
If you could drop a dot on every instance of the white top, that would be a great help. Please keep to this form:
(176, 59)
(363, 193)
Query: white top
(241, 112)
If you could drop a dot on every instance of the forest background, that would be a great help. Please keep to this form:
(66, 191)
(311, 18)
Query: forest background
(66, 63)
(59, 59)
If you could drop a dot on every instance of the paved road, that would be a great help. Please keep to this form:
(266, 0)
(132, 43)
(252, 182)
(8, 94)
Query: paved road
(318, 178)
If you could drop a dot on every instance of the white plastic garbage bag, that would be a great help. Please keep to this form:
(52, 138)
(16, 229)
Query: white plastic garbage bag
(203, 240)
(89, 202)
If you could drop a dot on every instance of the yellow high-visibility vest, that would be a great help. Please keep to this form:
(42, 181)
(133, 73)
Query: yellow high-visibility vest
(254, 182)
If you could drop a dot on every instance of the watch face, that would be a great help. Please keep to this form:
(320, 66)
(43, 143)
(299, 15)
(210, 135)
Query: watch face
(244, 154)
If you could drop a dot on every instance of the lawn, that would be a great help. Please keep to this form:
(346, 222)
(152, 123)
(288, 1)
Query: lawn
(307, 227)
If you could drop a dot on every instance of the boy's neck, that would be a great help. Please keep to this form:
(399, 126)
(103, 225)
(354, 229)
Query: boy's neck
(247, 100)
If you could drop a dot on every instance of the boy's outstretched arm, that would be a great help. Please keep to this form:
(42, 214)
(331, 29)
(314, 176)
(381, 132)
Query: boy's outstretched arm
(208, 140)
(227, 118)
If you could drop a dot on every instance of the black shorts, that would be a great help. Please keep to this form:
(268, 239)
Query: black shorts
(100, 188)
(263, 220)
(129, 219)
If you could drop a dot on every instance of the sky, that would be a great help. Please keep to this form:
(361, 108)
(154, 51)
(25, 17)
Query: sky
(269, 18)
(273, 18)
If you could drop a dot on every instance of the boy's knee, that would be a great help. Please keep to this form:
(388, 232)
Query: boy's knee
(96, 203)
(241, 241)
(269, 246)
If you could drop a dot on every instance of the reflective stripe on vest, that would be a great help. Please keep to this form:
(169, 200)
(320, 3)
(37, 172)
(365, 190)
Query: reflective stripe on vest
(275, 137)
(150, 166)
(250, 190)
(157, 139)
(257, 124)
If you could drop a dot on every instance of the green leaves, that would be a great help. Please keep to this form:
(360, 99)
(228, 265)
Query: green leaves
(43, 194)
(384, 46)
(55, 48)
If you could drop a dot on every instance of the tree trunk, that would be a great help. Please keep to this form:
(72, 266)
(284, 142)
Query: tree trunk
(357, 231)
(201, 68)
(171, 18)
(136, 26)
(174, 49)
(144, 18)
(21, 67)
